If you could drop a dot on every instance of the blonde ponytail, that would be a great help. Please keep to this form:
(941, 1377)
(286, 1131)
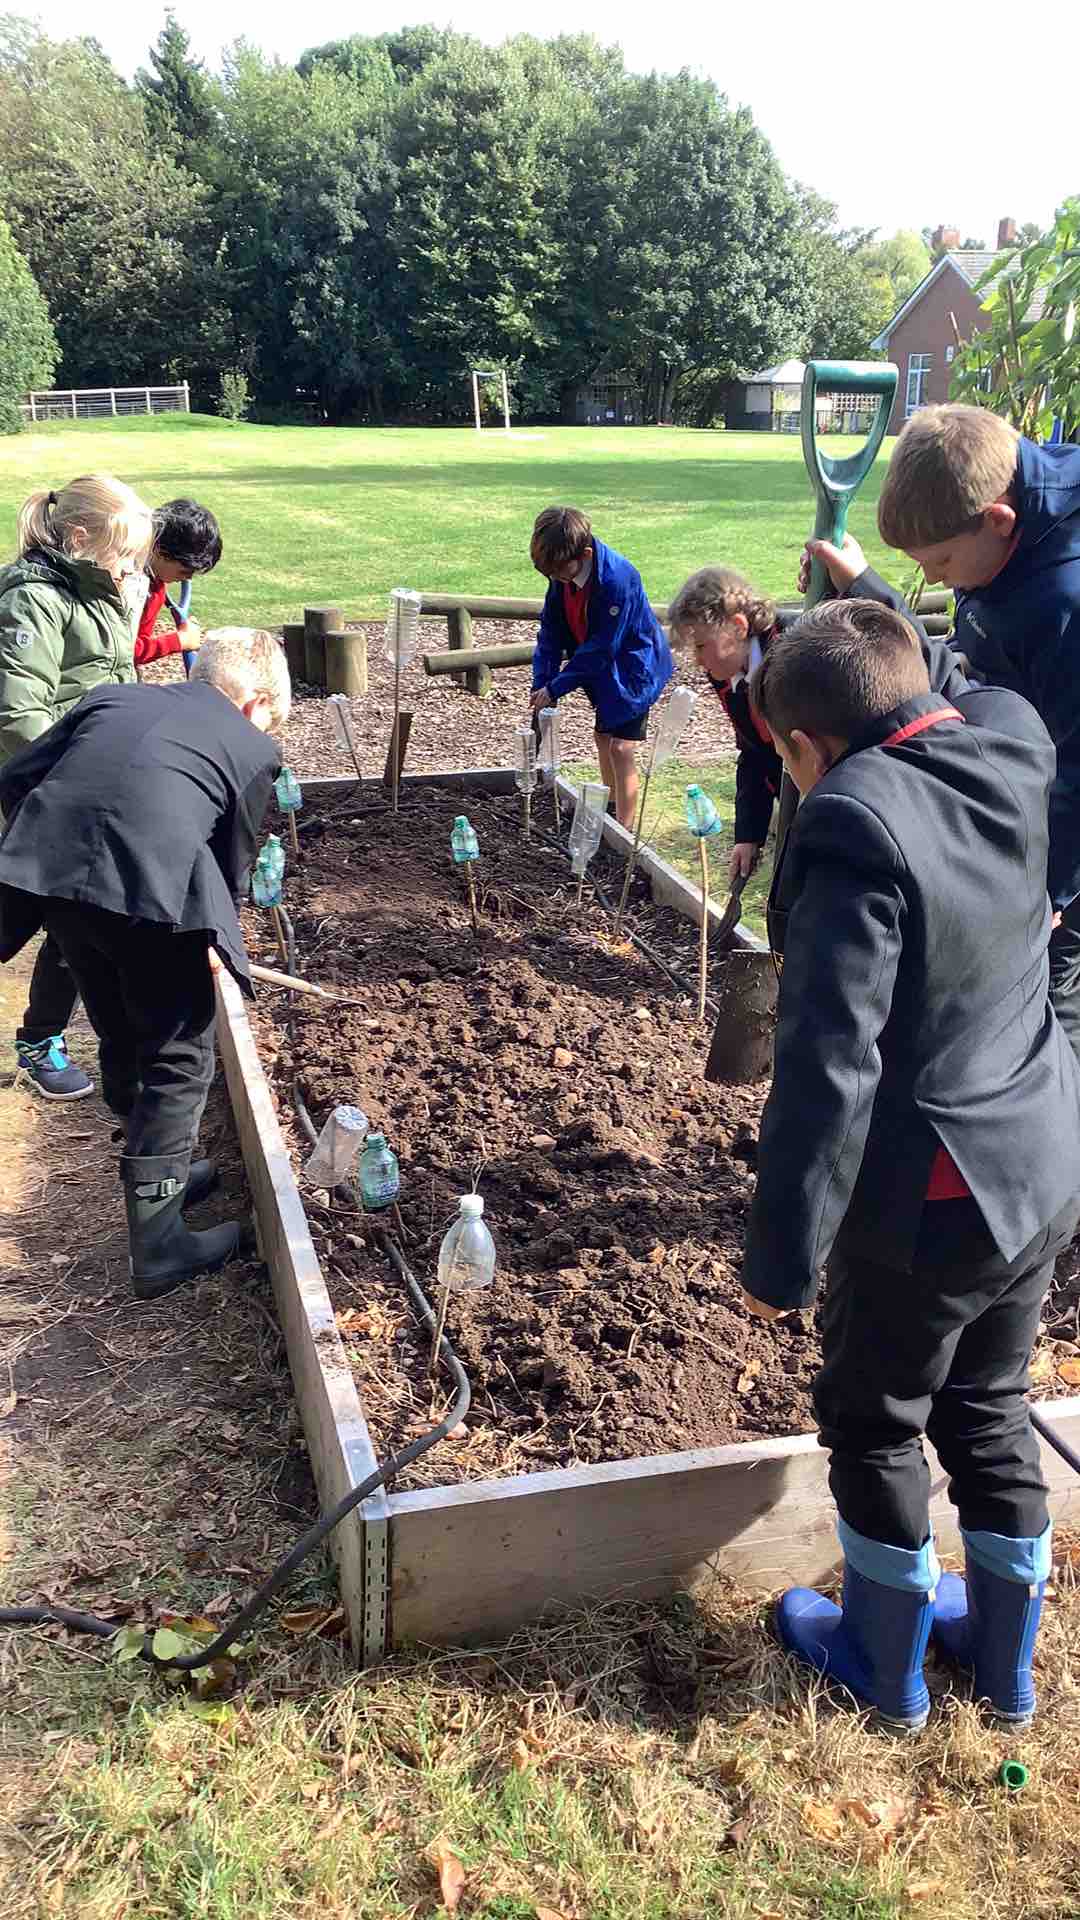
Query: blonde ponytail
(95, 518)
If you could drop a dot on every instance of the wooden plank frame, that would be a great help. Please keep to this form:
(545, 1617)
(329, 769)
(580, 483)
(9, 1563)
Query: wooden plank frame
(459, 1565)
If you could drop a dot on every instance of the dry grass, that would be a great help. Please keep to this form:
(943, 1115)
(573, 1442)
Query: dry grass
(664, 1764)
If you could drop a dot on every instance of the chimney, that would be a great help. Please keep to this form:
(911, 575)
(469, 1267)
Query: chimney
(1006, 233)
(945, 239)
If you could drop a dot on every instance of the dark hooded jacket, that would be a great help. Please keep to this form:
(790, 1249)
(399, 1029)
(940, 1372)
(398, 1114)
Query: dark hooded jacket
(1023, 632)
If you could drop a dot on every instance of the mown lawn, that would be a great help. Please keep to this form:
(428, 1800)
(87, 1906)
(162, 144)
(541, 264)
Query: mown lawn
(341, 515)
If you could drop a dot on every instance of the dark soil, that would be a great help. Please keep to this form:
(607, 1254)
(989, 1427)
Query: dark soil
(568, 1072)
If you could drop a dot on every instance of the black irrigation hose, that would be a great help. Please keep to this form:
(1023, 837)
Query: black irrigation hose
(238, 1626)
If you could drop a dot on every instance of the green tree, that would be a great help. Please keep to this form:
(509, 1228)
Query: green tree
(1025, 363)
(177, 95)
(28, 349)
(848, 297)
(112, 227)
(903, 260)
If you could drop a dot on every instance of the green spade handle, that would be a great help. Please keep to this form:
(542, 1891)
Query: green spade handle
(837, 481)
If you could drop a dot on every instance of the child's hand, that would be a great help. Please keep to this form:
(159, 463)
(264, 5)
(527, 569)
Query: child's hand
(541, 698)
(190, 636)
(761, 1307)
(842, 564)
(745, 855)
(212, 960)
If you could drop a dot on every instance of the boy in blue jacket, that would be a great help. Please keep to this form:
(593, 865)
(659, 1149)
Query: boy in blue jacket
(997, 518)
(597, 619)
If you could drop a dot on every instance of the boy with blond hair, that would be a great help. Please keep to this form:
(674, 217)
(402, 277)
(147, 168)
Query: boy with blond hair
(131, 825)
(997, 518)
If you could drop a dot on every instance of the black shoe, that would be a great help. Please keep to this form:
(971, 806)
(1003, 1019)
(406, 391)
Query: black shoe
(163, 1251)
(50, 1070)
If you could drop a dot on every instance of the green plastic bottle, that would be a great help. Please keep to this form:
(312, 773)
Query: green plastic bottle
(378, 1174)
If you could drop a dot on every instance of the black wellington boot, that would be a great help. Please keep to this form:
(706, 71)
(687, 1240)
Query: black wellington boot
(163, 1251)
(201, 1181)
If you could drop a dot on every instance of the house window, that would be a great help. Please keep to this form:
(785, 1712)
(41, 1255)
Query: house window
(918, 368)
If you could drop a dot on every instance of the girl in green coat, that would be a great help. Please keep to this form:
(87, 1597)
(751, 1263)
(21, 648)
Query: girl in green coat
(65, 626)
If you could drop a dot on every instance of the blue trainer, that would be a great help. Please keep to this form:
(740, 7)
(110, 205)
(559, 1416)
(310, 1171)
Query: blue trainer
(875, 1643)
(51, 1071)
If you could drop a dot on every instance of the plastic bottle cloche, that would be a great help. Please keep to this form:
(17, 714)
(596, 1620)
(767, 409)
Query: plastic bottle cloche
(378, 1174)
(467, 1253)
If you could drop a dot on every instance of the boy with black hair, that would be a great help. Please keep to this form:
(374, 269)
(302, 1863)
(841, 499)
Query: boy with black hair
(996, 517)
(130, 828)
(922, 1136)
(187, 541)
(597, 620)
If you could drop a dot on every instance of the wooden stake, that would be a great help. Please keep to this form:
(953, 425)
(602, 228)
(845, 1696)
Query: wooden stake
(704, 852)
(399, 744)
(527, 798)
(294, 837)
(440, 1322)
(471, 885)
(280, 931)
(580, 886)
(555, 795)
(617, 930)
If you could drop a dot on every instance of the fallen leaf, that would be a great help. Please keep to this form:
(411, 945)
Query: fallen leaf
(520, 1757)
(451, 1874)
(655, 1256)
(885, 1816)
(923, 1889)
(549, 1913)
(823, 1819)
(1069, 1371)
(1041, 1369)
(747, 1377)
(8, 1404)
(306, 1620)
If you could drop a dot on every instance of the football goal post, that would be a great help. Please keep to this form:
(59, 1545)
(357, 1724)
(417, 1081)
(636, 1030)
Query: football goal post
(483, 373)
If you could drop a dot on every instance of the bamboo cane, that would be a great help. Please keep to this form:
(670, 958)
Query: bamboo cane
(471, 885)
(703, 850)
(527, 799)
(294, 837)
(280, 932)
(617, 929)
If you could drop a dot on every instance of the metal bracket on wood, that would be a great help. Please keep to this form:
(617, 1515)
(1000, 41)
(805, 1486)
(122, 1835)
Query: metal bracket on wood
(376, 1590)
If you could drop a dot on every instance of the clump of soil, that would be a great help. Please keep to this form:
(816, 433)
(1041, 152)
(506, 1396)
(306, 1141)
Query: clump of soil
(566, 1073)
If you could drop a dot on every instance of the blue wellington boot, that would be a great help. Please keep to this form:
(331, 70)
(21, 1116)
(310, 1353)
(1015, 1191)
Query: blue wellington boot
(874, 1645)
(990, 1620)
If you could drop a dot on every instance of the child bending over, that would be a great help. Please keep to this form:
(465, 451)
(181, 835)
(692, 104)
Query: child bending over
(65, 627)
(598, 621)
(130, 829)
(187, 541)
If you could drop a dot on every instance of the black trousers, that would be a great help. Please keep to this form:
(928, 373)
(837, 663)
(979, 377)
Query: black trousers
(149, 996)
(53, 994)
(942, 1350)
(1065, 974)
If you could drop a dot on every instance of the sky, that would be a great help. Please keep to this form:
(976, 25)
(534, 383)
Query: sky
(912, 119)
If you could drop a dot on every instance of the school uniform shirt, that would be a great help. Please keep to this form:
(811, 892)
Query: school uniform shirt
(624, 662)
(144, 800)
(910, 906)
(148, 644)
(1023, 631)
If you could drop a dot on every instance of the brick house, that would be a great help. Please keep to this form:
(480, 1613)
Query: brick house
(920, 336)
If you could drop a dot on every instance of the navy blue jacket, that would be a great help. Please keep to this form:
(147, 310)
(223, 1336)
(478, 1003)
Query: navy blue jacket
(625, 662)
(1023, 632)
(910, 906)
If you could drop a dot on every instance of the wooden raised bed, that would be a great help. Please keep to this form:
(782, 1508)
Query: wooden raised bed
(469, 1562)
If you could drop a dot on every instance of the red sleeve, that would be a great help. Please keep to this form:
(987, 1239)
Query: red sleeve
(150, 645)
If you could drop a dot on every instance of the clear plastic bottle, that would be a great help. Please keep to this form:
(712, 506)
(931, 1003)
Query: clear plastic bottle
(550, 755)
(290, 794)
(467, 1254)
(403, 626)
(673, 724)
(464, 844)
(701, 816)
(587, 825)
(378, 1174)
(525, 772)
